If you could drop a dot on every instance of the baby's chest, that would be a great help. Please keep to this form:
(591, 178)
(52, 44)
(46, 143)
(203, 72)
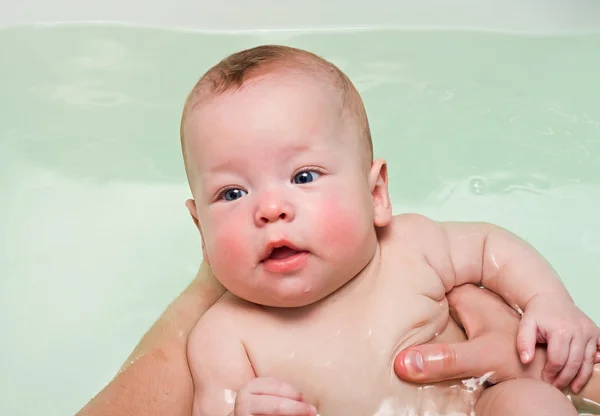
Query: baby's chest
(342, 360)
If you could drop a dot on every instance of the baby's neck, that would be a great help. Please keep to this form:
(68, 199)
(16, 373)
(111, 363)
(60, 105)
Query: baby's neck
(364, 280)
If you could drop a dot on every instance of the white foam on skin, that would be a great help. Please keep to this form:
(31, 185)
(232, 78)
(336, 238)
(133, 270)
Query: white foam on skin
(389, 409)
(392, 406)
(229, 396)
(474, 383)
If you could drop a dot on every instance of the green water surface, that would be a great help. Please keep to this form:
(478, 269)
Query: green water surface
(95, 240)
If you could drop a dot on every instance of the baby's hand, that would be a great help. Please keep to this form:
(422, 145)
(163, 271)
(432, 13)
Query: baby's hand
(268, 396)
(572, 340)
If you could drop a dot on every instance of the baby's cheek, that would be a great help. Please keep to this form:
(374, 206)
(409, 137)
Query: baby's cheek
(340, 224)
(226, 247)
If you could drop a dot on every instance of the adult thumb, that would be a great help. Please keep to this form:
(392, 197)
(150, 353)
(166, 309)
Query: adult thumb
(430, 363)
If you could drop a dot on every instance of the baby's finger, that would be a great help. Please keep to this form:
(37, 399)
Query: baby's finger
(280, 406)
(273, 387)
(587, 368)
(558, 352)
(597, 357)
(573, 363)
(526, 339)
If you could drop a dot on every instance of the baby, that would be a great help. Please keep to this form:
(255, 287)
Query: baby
(325, 285)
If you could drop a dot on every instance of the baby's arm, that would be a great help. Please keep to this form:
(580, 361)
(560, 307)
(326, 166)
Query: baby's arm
(490, 256)
(219, 366)
(225, 382)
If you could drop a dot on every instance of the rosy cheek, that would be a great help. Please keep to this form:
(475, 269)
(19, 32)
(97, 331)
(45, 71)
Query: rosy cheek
(339, 223)
(226, 243)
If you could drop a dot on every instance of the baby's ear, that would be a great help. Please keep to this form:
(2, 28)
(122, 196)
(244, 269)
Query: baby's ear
(191, 206)
(378, 184)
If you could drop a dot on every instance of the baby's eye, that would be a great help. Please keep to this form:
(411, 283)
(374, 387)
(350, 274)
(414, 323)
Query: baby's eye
(232, 194)
(306, 176)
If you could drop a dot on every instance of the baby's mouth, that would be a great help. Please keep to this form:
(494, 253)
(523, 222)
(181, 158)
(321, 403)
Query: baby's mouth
(283, 258)
(280, 253)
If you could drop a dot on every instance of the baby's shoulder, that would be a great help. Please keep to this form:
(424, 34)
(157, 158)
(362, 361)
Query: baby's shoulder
(226, 319)
(229, 311)
(411, 227)
(412, 220)
(415, 246)
(415, 237)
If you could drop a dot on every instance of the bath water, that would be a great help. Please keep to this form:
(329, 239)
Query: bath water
(96, 240)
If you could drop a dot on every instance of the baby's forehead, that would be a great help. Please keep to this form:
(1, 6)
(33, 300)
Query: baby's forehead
(320, 89)
(283, 136)
(294, 98)
(270, 107)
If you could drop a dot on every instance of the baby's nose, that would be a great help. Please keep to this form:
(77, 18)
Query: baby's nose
(273, 209)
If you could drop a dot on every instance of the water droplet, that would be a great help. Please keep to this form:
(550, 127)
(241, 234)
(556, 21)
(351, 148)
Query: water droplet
(519, 310)
(477, 186)
(229, 396)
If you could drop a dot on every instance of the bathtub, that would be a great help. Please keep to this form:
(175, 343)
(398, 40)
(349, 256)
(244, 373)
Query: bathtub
(95, 248)
(531, 17)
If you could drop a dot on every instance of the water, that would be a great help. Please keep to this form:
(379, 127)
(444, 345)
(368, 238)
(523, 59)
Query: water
(96, 240)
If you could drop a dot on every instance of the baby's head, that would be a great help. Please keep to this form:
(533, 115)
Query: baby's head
(278, 154)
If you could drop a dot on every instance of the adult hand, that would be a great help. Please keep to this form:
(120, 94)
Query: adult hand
(491, 326)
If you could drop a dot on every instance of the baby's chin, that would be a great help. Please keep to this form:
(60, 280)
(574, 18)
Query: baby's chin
(289, 293)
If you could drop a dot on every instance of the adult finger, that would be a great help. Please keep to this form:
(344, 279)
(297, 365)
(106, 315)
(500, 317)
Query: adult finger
(436, 362)
(587, 368)
(478, 311)
(487, 320)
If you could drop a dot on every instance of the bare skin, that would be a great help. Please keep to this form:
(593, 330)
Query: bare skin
(305, 347)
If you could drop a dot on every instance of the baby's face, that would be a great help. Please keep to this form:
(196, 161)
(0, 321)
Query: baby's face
(283, 201)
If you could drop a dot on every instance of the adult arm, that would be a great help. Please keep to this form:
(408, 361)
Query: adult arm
(155, 379)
